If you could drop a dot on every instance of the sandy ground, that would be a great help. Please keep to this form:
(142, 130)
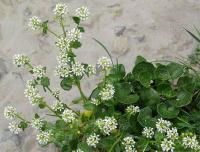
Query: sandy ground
(152, 28)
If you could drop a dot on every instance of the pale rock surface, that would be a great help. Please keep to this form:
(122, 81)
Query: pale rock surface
(152, 28)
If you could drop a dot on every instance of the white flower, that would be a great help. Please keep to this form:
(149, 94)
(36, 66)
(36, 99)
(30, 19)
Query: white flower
(91, 70)
(172, 133)
(93, 140)
(78, 150)
(58, 106)
(68, 116)
(33, 95)
(63, 58)
(14, 128)
(60, 9)
(62, 71)
(34, 23)
(107, 92)
(78, 69)
(56, 93)
(39, 71)
(63, 44)
(74, 34)
(107, 125)
(30, 83)
(129, 144)
(21, 59)
(163, 125)
(82, 13)
(37, 123)
(148, 132)
(190, 142)
(132, 109)
(104, 63)
(167, 145)
(95, 101)
(44, 137)
(10, 112)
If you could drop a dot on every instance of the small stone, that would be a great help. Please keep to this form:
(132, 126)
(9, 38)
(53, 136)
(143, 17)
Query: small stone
(120, 45)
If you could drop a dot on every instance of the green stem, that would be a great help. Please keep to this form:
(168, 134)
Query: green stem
(50, 31)
(19, 117)
(61, 101)
(81, 92)
(63, 27)
(115, 143)
(52, 110)
(185, 122)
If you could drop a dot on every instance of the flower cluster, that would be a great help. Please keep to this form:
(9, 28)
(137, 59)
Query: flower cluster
(37, 123)
(74, 34)
(44, 137)
(107, 125)
(32, 94)
(104, 63)
(95, 101)
(129, 144)
(62, 71)
(190, 141)
(82, 13)
(60, 9)
(107, 92)
(34, 23)
(63, 58)
(172, 133)
(148, 132)
(91, 69)
(163, 125)
(10, 112)
(68, 116)
(21, 59)
(78, 69)
(56, 93)
(14, 128)
(93, 140)
(167, 145)
(39, 71)
(132, 109)
(63, 44)
(58, 106)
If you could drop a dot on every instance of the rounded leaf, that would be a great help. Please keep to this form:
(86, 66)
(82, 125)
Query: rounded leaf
(166, 111)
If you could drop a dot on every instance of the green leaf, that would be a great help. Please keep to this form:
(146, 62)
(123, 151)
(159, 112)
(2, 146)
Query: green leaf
(66, 83)
(144, 73)
(81, 29)
(175, 70)
(194, 36)
(76, 20)
(89, 106)
(36, 116)
(122, 90)
(130, 99)
(145, 117)
(23, 125)
(42, 105)
(149, 96)
(84, 147)
(95, 93)
(60, 124)
(166, 90)
(118, 70)
(75, 44)
(162, 73)
(45, 81)
(139, 59)
(183, 98)
(142, 144)
(45, 27)
(167, 111)
(186, 83)
(159, 136)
